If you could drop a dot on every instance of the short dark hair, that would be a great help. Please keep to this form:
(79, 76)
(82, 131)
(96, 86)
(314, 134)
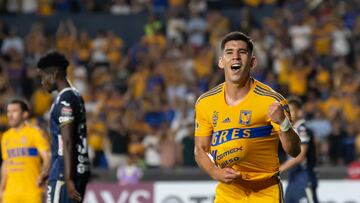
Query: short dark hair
(296, 101)
(236, 35)
(23, 104)
(53, 59)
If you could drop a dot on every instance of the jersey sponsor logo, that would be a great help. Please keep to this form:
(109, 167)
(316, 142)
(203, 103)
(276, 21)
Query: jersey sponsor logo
(65, 119)
(66, 111)
(229, 162)
(231, 151)
(22, 152)
(226, 120)
(215, 118)
(245, 117)
(81, 168)
(222, 136)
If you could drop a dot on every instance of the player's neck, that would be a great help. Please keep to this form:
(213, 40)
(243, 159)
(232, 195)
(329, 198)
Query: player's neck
(235, 93)
(62, 84)
(19, 127)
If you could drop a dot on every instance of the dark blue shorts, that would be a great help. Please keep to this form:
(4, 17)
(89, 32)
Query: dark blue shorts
(298, 194)
(57, 191)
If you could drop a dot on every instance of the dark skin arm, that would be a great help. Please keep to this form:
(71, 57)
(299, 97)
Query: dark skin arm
(69, 160)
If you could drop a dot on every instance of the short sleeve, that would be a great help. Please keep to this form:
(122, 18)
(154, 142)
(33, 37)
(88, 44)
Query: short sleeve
(203, 126)
(66, 110)
(41, 142)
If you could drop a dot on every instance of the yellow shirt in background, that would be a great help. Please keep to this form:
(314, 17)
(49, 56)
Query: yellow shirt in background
(298, 79)
(41, 102)
(21, 151)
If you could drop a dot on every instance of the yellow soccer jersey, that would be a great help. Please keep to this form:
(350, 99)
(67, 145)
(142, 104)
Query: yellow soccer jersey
(20, 149)
(243, 136)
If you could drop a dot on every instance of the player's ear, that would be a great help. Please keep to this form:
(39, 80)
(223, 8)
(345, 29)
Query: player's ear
(26, 115)
(253, 62)
(55, 74)
(221, 63)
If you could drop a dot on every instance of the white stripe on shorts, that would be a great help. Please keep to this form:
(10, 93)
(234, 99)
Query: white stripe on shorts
(309, 194)
(57, 191)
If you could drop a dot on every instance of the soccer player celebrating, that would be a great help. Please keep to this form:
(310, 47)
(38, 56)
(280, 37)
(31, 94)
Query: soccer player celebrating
(238, 125)
(70, 168)
(26, 157)
(302, 179)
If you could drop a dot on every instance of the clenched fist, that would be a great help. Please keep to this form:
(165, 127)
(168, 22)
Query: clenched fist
(276, 113)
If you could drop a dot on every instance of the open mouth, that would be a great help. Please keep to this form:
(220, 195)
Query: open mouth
(235, 66)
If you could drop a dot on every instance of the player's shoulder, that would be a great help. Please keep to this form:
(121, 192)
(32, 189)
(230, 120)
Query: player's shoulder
(264, 90)
(210, 95)
(33, 128)
(67, 96)
(7, 133)
(69, 92)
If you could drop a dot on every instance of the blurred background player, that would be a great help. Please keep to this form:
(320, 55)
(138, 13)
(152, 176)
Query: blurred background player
(240, 123)
(26, 157)
(302, 180)
(70, 168)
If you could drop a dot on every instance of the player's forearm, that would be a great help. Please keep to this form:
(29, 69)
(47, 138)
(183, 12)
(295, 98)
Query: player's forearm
(204, 162)
(68, 144)
(289, 164)
(3, 176)
(68, 162)
(45, 156)
(290, 142)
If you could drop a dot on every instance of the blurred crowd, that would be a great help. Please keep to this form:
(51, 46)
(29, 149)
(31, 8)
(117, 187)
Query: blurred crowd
(140, 97)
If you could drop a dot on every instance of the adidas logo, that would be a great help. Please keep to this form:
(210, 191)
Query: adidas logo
(226, 120)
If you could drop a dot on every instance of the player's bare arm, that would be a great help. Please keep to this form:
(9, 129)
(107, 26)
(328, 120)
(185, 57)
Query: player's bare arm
(44, 173)
(295, 161)
(289, 139)
(68, 144)
(225, 175)
(3, 177)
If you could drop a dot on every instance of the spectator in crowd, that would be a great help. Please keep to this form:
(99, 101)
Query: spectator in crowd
(129, 173)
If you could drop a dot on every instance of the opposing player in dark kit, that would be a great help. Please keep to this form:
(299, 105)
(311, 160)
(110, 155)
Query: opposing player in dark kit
(70, 167)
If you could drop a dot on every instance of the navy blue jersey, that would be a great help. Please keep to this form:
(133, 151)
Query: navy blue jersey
(304, 174)
(68, 108)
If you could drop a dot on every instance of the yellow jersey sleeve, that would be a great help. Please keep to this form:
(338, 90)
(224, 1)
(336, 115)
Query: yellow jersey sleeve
(40, 140)
(202, 125)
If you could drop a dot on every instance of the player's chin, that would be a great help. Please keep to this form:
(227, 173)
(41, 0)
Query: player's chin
(235, 78)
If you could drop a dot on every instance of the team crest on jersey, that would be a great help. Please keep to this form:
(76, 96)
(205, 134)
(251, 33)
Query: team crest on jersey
(215, 118)
(245, 117)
